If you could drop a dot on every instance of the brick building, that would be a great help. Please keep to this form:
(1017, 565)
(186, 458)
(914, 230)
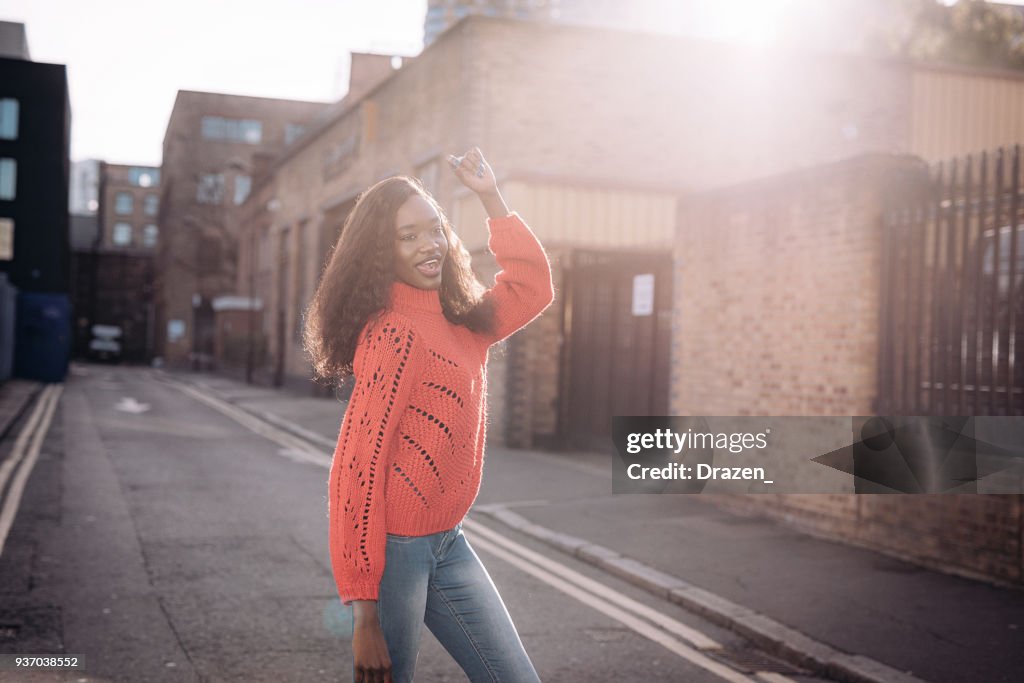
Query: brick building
(595, 152)
(213, 146)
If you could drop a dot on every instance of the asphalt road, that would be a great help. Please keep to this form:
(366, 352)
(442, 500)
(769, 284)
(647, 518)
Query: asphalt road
(164, 540)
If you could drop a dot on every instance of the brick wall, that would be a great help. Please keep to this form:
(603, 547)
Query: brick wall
(776, 313)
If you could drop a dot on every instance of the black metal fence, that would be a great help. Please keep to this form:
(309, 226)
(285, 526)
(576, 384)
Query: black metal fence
(952, 296)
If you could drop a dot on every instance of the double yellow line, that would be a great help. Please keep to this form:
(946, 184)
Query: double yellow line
(23, 457)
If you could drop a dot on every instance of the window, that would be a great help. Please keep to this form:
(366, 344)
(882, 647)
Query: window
(243, 184)
(8, 178)
(144, 177)
(232, 130)
(292, 132)
(151, 204)
(122, 234)
(6, 239)
(210, 189)
(149, 235)
(8, 118)
(124, 203)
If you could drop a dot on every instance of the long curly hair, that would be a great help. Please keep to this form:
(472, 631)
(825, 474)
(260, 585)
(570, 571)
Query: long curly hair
(356, 283)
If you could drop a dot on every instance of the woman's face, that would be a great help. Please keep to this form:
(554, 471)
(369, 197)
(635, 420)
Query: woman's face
(420, 244)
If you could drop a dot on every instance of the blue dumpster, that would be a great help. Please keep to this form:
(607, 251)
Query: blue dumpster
(42, 337)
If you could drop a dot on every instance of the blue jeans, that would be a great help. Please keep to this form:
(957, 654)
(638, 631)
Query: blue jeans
(439, 580)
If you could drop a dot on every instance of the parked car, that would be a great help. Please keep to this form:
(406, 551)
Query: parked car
(104, 345)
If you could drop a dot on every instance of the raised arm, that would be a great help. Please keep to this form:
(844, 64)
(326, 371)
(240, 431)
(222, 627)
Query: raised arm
(386, 363)
(523, 288)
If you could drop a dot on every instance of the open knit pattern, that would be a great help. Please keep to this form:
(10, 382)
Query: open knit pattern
(410, 451)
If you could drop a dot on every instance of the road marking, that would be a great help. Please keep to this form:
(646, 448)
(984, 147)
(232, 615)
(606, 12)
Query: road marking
(130, 405)
(659, 627)
(292, 444)
(692, 635)
(601, 604)
(32, 434)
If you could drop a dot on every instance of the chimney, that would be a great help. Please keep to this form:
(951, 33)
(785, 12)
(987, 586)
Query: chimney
(367, 71)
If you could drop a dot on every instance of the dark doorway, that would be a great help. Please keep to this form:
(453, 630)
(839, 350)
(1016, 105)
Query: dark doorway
(617, 325)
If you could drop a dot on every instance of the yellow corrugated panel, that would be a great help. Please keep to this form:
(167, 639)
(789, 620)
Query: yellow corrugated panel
(578, 216)
(954, 113)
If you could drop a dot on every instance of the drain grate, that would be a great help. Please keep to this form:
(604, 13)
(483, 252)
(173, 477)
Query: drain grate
(749, 660)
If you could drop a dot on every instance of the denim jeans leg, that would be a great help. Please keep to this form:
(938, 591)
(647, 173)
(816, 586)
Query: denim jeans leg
(469, 618)
(402, 600)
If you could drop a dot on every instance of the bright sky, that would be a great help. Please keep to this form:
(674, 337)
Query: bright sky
(127, 59)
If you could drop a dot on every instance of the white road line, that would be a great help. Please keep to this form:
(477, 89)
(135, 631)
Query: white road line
(691, 635)
(602, 605)
(18, 451)
(35, 429)
(584, 589)
(297, 449)
(772, 677)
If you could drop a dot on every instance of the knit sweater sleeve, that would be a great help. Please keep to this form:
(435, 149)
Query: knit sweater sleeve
(387, 360)
(523, 288)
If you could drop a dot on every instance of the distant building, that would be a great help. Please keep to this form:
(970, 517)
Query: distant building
(14, 41)
(129, 203)
(35, 134)
(213, 147)
(85, 181)
(114, 270)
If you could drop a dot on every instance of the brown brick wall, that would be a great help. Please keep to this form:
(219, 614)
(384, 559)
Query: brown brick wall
(776, 313)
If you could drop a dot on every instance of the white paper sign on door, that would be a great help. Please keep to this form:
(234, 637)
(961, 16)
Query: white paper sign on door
(643, 294)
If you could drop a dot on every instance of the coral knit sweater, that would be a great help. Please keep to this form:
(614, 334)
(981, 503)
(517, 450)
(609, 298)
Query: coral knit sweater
(410, 451)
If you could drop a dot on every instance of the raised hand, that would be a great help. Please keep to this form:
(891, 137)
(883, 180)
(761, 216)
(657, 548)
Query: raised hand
(474, 172)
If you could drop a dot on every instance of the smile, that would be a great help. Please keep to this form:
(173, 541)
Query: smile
(430, 268)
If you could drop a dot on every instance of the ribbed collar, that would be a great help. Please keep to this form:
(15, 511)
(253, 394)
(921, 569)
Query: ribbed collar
(405, 297)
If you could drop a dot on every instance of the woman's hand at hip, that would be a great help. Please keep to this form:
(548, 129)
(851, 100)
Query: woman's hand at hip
(369, 649)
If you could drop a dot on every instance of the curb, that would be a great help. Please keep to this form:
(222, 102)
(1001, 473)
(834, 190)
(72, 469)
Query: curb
(773, 637)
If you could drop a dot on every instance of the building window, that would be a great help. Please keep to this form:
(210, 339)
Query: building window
(243, 184)
(144, 177)
(124, 203)
(8, 178)
(232, 130)
(8, 118)
(151, 204)
(149, 235)
(292, 132)
(6, 239)
(210, 189)
(122, 234)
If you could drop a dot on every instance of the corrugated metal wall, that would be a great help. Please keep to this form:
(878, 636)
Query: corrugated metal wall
(581, 216)
(956, 112)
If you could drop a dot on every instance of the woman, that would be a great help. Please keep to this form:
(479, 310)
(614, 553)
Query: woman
(399, 307)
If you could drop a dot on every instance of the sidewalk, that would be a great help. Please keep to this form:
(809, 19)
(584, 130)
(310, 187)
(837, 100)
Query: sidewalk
(807, 598)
